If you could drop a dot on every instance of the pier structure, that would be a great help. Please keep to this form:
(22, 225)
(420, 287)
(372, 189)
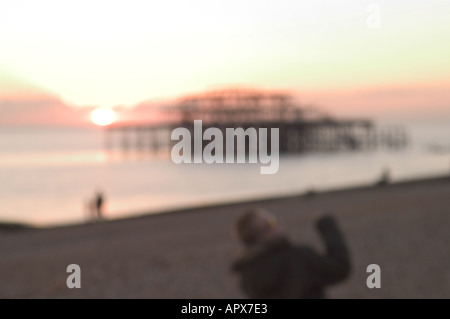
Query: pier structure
(301, 129)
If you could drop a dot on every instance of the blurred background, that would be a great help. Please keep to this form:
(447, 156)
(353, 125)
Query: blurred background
(70, 69)
(90, 90)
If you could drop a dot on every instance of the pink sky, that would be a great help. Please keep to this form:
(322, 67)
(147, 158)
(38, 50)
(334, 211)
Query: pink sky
(399, 103)
(57, 57)
(409, 103)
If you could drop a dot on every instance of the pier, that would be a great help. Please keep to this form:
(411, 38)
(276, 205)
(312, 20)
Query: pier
(301, 129)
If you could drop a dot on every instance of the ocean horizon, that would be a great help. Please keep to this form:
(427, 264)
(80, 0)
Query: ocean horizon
(49, 174)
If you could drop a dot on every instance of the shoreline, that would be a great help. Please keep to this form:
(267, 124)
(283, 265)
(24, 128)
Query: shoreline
(18, 226)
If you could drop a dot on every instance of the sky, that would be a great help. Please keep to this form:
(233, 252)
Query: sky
(348, 54)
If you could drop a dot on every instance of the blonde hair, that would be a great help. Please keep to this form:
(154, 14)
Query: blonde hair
(253, 224)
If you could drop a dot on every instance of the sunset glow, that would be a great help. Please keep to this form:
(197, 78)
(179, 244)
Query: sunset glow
(103, 116)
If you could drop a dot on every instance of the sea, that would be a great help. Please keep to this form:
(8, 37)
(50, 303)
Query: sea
(48, 175)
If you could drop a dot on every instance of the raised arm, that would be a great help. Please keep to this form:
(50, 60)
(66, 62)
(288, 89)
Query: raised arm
(334, 266)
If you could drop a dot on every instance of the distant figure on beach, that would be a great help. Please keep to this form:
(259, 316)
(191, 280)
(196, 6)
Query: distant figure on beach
(99, 201)
(94, 207)
(385, 178)
(272, 267)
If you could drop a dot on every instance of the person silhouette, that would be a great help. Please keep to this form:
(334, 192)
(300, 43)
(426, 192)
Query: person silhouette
(272, 267)
(385, 177)
(99, 202)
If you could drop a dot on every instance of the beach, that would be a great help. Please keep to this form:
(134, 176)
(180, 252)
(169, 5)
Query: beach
(404, 228)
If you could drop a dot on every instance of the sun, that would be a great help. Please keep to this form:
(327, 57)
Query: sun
(103, 116)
